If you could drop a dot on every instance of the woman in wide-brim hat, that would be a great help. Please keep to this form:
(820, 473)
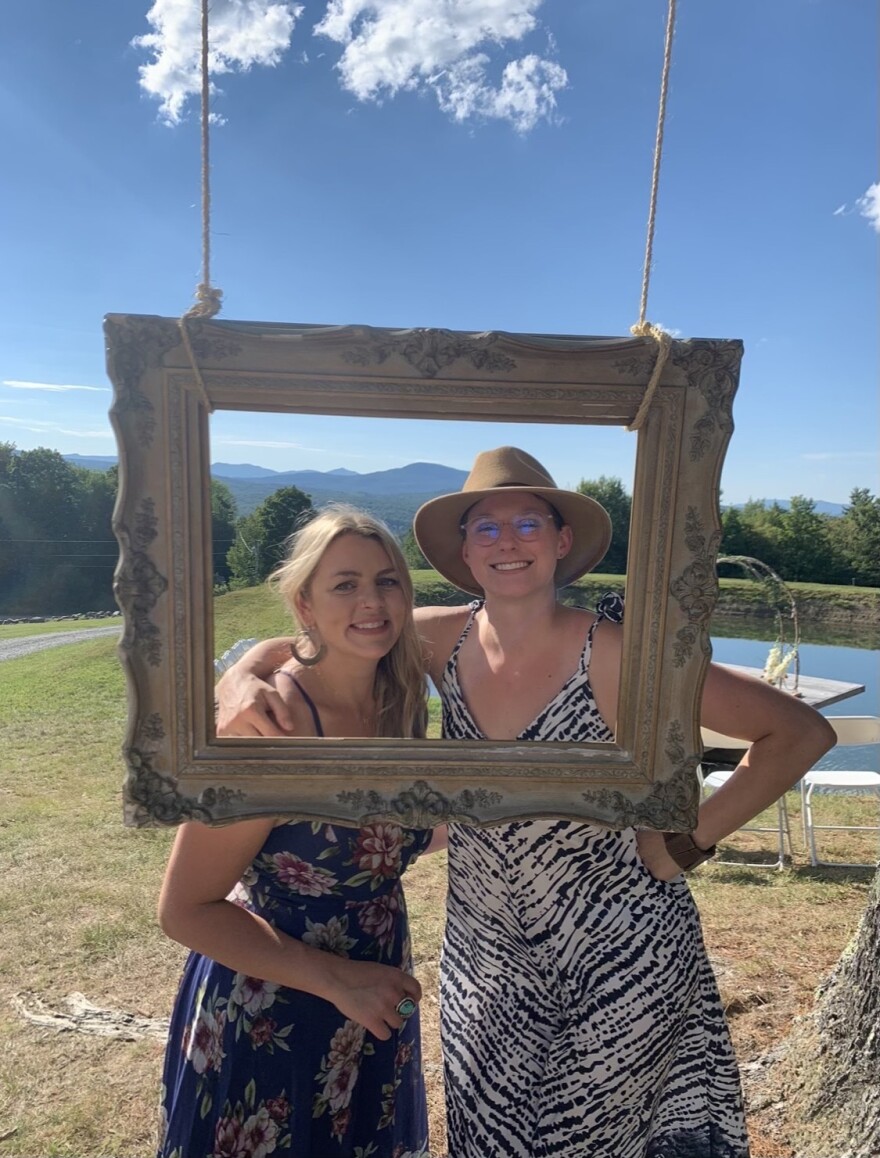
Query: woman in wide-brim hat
(580, 1015)
(514, 472)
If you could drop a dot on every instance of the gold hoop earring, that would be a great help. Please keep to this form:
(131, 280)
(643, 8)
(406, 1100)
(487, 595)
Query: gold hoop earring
(320, 648)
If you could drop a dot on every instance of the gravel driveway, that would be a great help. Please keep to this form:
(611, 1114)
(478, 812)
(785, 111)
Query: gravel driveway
(16, 648)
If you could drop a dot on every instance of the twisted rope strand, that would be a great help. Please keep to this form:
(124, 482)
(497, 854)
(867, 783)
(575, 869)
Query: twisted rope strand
(658, 156)
(208, 297)
(643, 328)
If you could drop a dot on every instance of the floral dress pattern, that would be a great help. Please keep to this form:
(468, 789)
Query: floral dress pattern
(253, 1068)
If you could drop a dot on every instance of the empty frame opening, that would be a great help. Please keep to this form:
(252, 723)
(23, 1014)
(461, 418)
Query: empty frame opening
(293, 465)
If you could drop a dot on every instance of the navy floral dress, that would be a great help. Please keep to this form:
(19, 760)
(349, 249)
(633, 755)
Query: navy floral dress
(255, 1069)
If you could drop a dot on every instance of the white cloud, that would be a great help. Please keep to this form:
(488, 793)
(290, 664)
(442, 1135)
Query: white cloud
(242, 33)
(420, 45)
(670, 330)
(272, 444)
(36, 427)
(16, 385)
(869, 205)
(526, 95)
(451, 49)
(839, 211)
(267, 444)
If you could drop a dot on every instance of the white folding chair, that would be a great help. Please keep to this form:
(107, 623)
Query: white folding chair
(734, 748)
(850, 730)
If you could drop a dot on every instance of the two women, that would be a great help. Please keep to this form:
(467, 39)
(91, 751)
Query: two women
(580, 1016)
(295, 1029)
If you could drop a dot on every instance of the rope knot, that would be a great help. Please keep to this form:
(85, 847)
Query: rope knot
(208, 302)
(663, 339)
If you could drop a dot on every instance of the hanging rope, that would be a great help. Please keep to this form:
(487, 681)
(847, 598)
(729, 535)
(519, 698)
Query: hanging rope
(208, 298)
(643, 328)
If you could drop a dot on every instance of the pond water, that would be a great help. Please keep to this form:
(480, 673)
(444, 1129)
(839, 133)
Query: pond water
(833, 661)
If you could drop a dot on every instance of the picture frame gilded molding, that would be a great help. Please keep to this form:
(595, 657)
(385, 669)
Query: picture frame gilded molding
(176, 769)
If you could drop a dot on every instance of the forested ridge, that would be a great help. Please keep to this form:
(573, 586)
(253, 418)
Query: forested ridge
(58, 552)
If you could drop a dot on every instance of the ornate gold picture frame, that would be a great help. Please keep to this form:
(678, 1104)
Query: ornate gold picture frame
(176, 769)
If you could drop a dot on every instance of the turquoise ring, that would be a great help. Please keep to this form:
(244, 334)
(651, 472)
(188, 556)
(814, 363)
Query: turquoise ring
(405, 1008)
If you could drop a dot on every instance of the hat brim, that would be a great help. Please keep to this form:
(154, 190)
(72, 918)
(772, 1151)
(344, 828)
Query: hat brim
(436, 529)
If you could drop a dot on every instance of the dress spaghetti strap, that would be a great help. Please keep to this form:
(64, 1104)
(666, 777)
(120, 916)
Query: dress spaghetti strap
(310, 703)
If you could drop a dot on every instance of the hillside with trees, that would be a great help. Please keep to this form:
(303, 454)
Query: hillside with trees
(58, 552)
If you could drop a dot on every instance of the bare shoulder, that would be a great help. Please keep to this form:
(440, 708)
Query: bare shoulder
(434, 623)
(207, 861)
(608, 636)
(439, 628)
(575, 618)
(605, 661)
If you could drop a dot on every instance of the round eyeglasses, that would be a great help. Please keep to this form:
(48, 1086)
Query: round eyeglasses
(485, 531)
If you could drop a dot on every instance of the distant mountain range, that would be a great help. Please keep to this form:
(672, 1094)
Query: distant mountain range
(248, 470)
(821, 507)
(402, 480)
(394, 495)
(91, 461)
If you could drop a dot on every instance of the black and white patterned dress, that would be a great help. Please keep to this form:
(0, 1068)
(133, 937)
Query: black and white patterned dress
(580, 1015)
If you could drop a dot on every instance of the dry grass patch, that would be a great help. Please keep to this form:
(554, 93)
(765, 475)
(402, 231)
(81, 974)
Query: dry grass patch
(772, 937)
(425, 901)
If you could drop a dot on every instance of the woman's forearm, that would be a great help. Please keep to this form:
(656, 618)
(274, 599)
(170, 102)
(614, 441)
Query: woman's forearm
(243, 941)
(768, 769)
(264, 657)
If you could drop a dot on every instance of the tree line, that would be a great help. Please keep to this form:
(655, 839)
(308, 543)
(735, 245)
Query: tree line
(799, 543)
(58, 552)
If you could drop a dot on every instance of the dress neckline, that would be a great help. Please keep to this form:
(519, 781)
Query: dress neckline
(452, 673)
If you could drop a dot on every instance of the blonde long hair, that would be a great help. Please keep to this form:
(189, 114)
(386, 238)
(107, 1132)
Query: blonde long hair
(400, 687)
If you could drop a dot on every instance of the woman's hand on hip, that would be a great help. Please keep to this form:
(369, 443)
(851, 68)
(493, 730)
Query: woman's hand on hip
(653, 854)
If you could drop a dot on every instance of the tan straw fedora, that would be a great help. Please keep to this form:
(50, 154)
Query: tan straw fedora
(437, 523)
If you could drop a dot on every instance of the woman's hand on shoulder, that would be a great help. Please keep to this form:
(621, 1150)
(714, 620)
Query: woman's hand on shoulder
(247, 703)
(369, 993)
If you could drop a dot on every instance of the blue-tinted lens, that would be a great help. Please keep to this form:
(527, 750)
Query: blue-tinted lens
(485, 530)
(527, 526)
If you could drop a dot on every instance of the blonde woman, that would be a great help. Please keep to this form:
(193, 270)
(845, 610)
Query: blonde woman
(579, 1012)
(295, 1030)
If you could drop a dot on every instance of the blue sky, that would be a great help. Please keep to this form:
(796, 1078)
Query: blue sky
(482, 164)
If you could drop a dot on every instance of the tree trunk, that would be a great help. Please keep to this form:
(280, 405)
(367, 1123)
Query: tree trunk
(829, 1074)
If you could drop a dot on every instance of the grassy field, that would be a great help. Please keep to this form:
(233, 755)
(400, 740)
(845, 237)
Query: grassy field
(77, 901)
(817, 602)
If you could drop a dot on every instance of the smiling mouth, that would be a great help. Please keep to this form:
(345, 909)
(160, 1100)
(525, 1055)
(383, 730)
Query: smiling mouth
(373, 625)
(518, 566)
